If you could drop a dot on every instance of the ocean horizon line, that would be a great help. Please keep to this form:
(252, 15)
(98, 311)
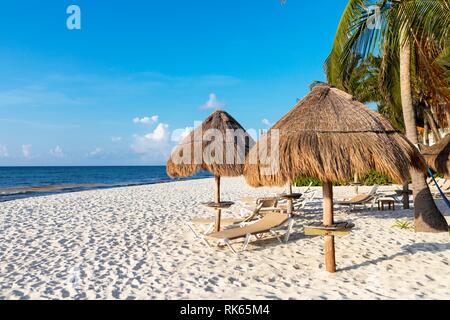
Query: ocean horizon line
(79, 166)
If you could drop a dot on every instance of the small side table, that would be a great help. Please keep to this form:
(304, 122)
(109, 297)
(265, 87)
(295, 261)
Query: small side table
(218, 207)
(405, 194)
(290, 198)
(221, 205)
(386, 201)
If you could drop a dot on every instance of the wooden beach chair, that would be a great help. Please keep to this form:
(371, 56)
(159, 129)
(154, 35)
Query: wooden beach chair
(361, 199)
(270, 223)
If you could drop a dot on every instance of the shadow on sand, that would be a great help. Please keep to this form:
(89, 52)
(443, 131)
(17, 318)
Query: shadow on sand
(406, 250)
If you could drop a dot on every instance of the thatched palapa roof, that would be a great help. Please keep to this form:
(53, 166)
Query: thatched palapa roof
(438, 156)
(199, 151)
(331, 136)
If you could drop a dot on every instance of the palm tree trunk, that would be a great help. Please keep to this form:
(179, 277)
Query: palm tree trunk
(447, 116)
(434, 128)
(427, 217)
(426, 131)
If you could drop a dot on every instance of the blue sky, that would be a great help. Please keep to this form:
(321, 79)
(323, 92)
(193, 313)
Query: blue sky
(114, 92)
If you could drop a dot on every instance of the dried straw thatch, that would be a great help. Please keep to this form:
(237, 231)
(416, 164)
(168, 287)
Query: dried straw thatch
(330, 136)
(198, 151)
(438, 156)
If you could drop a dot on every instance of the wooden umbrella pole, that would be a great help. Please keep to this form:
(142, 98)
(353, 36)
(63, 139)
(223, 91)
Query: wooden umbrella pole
(290, 201)
(405, 199)
(355, 180)
(217, 200)
(328, 220)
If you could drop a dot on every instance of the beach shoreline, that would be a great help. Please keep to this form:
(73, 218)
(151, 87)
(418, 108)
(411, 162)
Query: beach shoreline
(133, 243)
(15, 193)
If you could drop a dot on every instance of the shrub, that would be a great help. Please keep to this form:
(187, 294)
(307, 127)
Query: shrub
(368, 179)
(404, 225)
(374, 177)
(305, 181)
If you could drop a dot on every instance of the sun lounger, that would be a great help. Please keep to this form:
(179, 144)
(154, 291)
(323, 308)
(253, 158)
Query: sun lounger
(270, 223)
(444, 185)
(208, 223)
(361, 199)
(269, 204)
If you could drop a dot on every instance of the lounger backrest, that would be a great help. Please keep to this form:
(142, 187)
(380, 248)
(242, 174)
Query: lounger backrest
(305, 199)
(440, 182)
(308, 189)
(446, 185)
(254, 213)
(374, 190)
(310, 195)
(267, 202)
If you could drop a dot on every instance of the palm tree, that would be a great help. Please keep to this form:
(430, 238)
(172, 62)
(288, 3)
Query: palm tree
(399, 31)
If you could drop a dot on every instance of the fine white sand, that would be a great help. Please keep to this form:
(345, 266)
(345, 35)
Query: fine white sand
(131, 243)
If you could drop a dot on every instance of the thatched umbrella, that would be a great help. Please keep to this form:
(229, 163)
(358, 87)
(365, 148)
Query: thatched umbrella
(438, 156)
(330, 136)
(219, 145)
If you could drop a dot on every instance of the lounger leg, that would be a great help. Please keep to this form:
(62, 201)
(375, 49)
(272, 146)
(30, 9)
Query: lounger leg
(193, 230)
(209, 228)
(276, 235)
(246, 242)
(289, 230)
(227, 242)
(206, 242)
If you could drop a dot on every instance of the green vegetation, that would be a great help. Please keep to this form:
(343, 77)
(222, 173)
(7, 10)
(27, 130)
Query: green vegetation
(365, 58)
(374, 177)
(305, 181)
(397, 54)
(368, 179)
(404, 225)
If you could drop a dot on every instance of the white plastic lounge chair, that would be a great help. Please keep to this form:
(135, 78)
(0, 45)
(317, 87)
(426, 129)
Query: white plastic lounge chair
(444, 184)
(300, 203)
(308, 188)
(306, 198)
(270, 223)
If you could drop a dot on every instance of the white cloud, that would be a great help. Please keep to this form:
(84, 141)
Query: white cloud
(146, 120)
(3, 152)
(212, 103)
(116, 139)
(156, 141)
(180, 134)
(159, 134)
(57, 152)
(96, 152)
(26, 150)
(266, 122)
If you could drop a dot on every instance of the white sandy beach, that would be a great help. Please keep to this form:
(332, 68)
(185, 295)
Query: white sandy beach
(131, 243)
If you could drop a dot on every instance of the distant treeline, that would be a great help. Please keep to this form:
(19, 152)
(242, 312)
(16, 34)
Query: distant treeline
(369, 179)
